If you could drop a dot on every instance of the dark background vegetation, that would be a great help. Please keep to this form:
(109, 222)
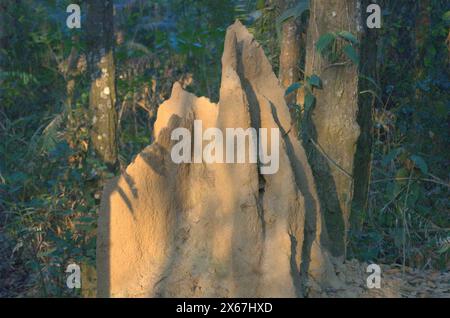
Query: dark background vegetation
(50, 181)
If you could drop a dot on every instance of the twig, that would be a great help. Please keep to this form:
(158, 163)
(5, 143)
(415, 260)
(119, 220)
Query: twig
(437, 180)
(405, 224)
(330, 159)
(392, 200)
(122, 108)
(415, 179)
(334, 65)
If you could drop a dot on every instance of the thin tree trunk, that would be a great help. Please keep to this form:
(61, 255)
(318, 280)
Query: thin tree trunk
(290, 50)
(363, 157)
(3, 33)
(332, 130)
(70, 73)
(422, 29)
(102, 100)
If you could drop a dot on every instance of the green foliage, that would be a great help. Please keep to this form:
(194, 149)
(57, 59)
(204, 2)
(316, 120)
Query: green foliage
(309, 101)
(51, 193)
(327, 45)
(50, 181)
(309, 84)
(314, 81)
(350, 52)
(348, 36)
(292, 88)
(407, 219)
(301, 7)
(420, 163)
(325, 42)
(265, 31)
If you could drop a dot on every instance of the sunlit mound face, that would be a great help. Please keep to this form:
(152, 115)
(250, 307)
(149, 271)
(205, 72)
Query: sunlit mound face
(216, 205)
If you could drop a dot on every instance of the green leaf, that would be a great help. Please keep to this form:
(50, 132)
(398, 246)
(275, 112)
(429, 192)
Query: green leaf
(325, 42)
(294, 12)
(350, 52)
(398, 235)
(315, 81)
(86, 219)
(446, 16)
(261, 4)
(309, 101)
(50, 133)
(17, 177)
(392, 155)
(444, 248)
(348, 36)
(46, 253)
(292, 88)
(420, 163)
(371, 81)
(85, 227)
(413, 196)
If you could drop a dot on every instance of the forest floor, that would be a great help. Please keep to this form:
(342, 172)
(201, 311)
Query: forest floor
(13, 277)
(396, 282)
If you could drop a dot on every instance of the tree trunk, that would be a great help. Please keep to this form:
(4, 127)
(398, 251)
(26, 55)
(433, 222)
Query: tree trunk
(69, 72)
(290, 50)
(422, 29)
(102, 100)
(3, 33)
(332, 129)
(363, 157)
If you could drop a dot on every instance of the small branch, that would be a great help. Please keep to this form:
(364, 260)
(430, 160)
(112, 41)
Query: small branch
(393, 199)
(330, 159)
(335, 65)
(440, 182)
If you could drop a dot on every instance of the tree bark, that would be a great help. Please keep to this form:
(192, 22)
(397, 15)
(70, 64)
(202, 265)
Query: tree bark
(69, 70)
(3, 33)
(422, 29)
(102, 100)
(102, 97)
(290, 50)
(332, 129)
(363, 158)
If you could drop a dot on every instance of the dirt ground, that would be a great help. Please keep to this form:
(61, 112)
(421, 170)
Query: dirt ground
(395, 283)
(13, 277)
